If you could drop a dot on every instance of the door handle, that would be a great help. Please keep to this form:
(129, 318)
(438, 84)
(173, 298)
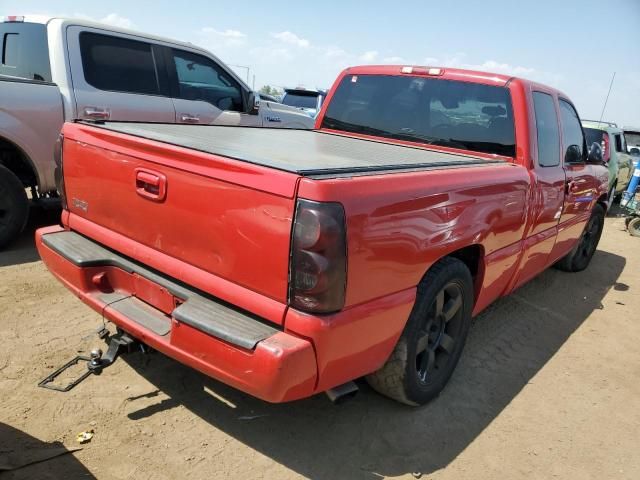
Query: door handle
(151, 185)
(97, 113)
(188, 118)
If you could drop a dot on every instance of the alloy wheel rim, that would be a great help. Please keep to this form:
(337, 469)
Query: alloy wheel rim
(588, 243)
(439, 332)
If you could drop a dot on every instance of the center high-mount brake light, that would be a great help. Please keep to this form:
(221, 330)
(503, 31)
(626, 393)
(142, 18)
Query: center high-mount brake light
(14, 18)
(434, 72)
(318, 270)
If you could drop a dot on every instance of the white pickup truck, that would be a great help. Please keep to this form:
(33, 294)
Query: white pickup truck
(68, 69)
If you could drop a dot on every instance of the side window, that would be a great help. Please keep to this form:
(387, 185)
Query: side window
(618, 141)
(201, 79)
(24, 52)
(571, 133)
(118, 64)
(548, 132)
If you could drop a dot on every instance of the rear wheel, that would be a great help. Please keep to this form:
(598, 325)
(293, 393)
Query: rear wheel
(579, 257)
(431, 344)
(14, 206)
(634, 227)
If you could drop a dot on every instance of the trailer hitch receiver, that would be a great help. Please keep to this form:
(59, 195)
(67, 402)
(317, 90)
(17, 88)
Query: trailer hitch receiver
(96, 362)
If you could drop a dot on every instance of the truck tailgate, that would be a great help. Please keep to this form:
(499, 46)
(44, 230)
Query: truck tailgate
(226, 217)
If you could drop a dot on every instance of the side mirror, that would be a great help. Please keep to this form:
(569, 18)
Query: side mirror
(253, 104)
(595, 154)
(573, 155)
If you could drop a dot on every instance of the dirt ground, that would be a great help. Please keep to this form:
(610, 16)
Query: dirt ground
(548, 386)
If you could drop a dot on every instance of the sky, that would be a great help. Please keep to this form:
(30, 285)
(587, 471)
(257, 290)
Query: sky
(575, 46)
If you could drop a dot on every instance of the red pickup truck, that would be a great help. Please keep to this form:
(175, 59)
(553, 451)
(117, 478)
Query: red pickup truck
(288, 263)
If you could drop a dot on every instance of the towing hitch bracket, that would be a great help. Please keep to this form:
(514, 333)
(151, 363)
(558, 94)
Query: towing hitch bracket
(96, 362)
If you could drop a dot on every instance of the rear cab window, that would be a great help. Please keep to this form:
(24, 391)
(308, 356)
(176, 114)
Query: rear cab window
(24, 52)
(118, 64)
(299, 99)
(450, 113)
(594, 135)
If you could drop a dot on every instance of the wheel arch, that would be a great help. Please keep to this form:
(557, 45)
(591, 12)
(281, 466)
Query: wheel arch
(473, 257)
(15, 159)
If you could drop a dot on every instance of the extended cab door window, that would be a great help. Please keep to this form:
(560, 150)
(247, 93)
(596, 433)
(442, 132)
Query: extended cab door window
(116, 77)
(549, 183)
(548, 131)
(204, 92)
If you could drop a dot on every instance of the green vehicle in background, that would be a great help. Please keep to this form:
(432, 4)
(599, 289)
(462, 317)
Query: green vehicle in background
(614, 152)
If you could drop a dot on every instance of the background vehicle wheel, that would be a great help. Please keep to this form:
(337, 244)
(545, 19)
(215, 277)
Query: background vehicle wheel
(14, 206)
(579, 257)
(634, 227)
(431, 344)
(612, 195)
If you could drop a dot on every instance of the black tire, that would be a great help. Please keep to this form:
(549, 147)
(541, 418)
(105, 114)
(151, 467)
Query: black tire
(579, 257)
(14, 206)
(430, 345)
(634, 227)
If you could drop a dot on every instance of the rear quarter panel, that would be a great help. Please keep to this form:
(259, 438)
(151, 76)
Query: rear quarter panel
(400, 224)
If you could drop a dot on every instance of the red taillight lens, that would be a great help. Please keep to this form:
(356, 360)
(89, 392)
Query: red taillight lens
(58, 173)
(318, 272)
(606, 153)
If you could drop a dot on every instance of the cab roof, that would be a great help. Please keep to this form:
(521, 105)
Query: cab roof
(67, 21)
(464, 75)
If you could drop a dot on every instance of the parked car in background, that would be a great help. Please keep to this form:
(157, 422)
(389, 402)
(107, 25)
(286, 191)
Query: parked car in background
(66, 69)
(614, 152)
(268, 98)
(288, 263)
(632, 136)
(305, 99)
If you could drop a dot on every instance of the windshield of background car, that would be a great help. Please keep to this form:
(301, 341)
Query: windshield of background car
(593, 135)
(464, 115)
(301, 100)
(633, 138)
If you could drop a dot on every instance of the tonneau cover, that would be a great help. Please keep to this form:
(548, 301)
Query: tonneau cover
(305, 152)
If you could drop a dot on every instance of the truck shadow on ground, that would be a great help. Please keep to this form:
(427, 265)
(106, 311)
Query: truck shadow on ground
(25, 457)
(371, 436)
(23, 249)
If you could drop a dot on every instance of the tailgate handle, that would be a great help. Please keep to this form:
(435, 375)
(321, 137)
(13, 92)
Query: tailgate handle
(151, 185)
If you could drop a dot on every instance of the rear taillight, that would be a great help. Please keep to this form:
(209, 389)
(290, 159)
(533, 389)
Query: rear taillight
(58, 173)
(606, 153)
(318, 271)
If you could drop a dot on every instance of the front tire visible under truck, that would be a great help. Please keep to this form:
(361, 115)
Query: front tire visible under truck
(580, 255)
(432, 341)
(14, 206)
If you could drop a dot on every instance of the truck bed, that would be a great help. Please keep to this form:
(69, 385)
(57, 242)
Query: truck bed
(304, 152)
